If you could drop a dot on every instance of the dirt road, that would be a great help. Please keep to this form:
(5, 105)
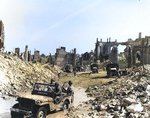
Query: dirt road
(79, 97)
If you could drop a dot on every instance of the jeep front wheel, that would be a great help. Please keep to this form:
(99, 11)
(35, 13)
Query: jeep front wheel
(41, 113)
(65, 105)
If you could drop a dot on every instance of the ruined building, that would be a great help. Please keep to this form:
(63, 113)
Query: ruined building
(138, 51)
(26, 55)
(62, 57)
(36, 54)
(1, 35)
(17, 51)
(106, 50)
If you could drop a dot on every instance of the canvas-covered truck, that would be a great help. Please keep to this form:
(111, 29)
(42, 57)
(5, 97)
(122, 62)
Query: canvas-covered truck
(94, 68)
(112, 69)
(41, 101)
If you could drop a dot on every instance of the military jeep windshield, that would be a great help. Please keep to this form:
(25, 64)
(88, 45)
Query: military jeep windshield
(44, 89)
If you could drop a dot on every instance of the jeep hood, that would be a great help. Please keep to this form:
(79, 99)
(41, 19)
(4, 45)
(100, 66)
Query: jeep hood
(37, 97)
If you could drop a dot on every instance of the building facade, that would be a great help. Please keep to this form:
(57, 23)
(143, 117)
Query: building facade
(106, 50)
(62, 57)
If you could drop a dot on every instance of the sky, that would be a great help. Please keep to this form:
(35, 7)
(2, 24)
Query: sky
(45, 25)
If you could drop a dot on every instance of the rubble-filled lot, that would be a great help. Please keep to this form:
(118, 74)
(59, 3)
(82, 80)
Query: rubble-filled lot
(17, 76)
(128, 96)
(125, 97)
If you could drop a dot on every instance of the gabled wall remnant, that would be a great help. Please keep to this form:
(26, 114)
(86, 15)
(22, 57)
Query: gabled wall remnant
(1, 34)
(62, 57)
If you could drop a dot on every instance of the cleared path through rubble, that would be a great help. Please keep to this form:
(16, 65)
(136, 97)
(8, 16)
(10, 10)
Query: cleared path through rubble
(79, 97)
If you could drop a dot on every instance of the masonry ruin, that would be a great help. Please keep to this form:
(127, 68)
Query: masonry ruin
(137, 52)
(106, 50)
(62, 57)
(1, 34)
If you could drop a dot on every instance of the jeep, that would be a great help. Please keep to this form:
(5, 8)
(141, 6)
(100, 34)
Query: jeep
(41, 101)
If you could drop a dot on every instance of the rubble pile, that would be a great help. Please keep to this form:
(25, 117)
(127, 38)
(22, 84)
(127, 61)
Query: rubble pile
(19, 76)
(125, 97)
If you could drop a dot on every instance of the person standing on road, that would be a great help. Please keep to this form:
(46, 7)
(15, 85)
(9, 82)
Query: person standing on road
(74, 71)
(70, 91)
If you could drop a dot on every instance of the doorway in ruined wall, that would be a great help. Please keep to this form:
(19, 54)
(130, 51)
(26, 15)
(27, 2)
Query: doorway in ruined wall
(138, 58)
(124, 56)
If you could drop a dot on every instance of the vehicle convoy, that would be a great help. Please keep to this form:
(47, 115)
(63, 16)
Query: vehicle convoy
(94, 68)
(42, 101)
(112, 69)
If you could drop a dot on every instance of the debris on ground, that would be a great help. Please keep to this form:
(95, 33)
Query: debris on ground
(128, 96)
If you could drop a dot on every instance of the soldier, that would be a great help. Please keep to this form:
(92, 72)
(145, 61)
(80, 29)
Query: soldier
(57, 89)
(74, 71)
(57, 93)
(70, 88)
(70, 91)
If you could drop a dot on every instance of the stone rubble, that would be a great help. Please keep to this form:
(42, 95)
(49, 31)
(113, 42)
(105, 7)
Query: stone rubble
(19, 76)
(125, 97)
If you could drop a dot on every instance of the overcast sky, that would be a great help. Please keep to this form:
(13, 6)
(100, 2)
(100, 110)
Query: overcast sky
(50, 24)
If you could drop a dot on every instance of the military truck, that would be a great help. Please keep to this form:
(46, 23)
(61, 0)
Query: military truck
(94, 68)
(112, 69)
(41, 101)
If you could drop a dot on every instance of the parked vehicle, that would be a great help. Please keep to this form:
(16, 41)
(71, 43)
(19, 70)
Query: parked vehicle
(68, 68)
(41, 101)
(112, 69)
(80, 69)
(94, 68)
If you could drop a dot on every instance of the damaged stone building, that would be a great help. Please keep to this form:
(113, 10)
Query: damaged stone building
(1, 34)
(26, 55)
(62, 57)
(106, 50)
(138, 51)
